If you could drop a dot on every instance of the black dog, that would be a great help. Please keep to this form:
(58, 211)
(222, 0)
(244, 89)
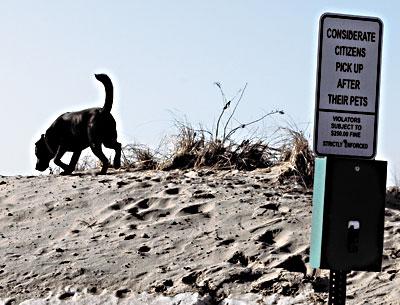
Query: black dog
(75, 131)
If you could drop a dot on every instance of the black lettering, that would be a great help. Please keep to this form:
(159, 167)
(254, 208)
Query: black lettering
(346, 119)
(345, 83)
(355, 145)
(342, 126)
(351, 35)
(358, 68)
(332, 143)
(344, 66)
(355, 134)
(350, 51)
(338, 99)
(352, 100)
(365, 101)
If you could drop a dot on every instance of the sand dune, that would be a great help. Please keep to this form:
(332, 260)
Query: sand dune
(153, 237)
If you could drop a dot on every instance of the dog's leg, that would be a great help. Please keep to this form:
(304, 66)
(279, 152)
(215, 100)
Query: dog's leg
(117, 148)
(73, 162)
(57, 159)
(96, 149)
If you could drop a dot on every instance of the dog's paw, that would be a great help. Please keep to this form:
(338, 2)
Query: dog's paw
(103, 171)
(117, 164)
(65, 173)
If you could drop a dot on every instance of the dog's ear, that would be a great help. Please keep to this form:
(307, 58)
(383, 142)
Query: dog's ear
(40, 140)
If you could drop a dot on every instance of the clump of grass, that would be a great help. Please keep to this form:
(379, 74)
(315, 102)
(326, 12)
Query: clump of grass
(297, 152)
(248, 155)
(187, 145)
(393, 197)
(139, 157)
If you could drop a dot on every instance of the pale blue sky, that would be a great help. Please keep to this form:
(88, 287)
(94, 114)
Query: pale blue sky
(164, 56)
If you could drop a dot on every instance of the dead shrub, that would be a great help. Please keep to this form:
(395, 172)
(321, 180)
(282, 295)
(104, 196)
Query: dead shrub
(297, 152)
(187, 145)
(138, 157)
(393, 197)
(247, 155)
(251, 155)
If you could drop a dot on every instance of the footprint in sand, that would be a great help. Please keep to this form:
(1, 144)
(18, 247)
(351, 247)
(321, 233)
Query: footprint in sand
(93, 290)
(122, 293)
(193, 209)
(294, 263)
(115, 206)
(135, 207)
(284, 242)
(162, 287)
(119, 204)
(145, 185)
(226, 242)
(191, 278)
(268, 237)
(172, 191)
(122, 183)
(239, 258)
(156, 214)
(144, 249)
(199, 194)
(66, 295)
(130, 237)
(143, 204)
(151, 208)
(203, 208)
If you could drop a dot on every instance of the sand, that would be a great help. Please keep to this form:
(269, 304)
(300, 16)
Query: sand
(177, 237)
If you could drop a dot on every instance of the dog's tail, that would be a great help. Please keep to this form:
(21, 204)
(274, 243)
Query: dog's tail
(106, 81)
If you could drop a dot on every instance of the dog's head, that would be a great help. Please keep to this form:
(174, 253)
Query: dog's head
(43, 154)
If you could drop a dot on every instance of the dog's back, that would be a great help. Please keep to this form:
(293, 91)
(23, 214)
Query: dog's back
(76, 130)
(73, 128)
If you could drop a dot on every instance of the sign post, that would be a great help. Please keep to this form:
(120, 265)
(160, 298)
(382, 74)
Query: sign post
(337, 287)
(348, 78)
(349, 189)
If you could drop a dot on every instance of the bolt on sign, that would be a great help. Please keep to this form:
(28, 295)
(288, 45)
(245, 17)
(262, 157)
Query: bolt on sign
(347, 95)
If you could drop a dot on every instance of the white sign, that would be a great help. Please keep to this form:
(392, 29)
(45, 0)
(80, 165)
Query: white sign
(347, 97)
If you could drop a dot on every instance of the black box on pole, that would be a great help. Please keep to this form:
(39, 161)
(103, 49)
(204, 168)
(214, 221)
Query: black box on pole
(352, 215)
